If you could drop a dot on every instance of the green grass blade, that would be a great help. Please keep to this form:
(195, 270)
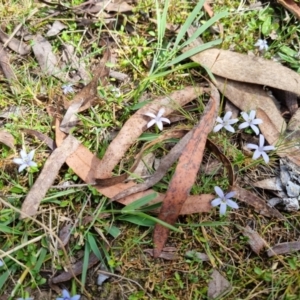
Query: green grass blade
(202, 28)
(192, 16)
(94, 246)
(138, 203)
(85, 264)
(193, 51)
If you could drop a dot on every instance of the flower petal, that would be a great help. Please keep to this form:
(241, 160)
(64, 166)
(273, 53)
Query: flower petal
(59, 298)
(218, 127)
(23, 154)
(65, 293)
(245, 116)
(229, 128)
(255, 129)
(151, 123)
(268, 148)
(219, 120)
(244, 125)
(22, 167)
(159, 125)
(223, 207)
(230, 195)
(251, 146)
(257, 121)
(18, 161)
(165, 120)
(256, 154)
(252, 114)
(216, 202)
(150, 114)
(30, 155)
(75, 297)
(32, 164)
(161, 112)
(232, 204)
(219, 191)
(265, 157)
(232, 121)
(227, 116)
(261, 140)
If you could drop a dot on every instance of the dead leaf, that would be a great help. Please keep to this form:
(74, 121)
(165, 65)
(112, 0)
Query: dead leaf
(5, 65)
(273, 184)
(47, 176)
(292, 6)
(56, 28)
(257, 203)
(14, 44)
(89, 92)
(135, 126)
(117, 7)
(284, 248)
(168, 253)
(70, 119)
(256, 242)
(76, 270)
(185, 172)
(198, 255)
(42, 50)
(7, 139)
(42, 137)
(232, 65)
(64, 235)
(218, 285)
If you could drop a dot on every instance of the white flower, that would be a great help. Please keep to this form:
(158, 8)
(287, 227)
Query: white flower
(250, 121)
(157, 119)
(66, 296)
(226, 122)
(262, 44)
(260, 149)
(223, 200)
(67, 88)
(25, 160)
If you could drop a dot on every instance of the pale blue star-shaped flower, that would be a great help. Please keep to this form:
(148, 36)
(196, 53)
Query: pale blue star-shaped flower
(68, 88)
(250, 121)
(225, 122)
(224, 200)
(260, 150)
(262, 45)
(66, 296)
(157, 119)
(25, 161)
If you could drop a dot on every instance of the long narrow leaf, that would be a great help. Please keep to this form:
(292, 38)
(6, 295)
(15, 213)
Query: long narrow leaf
(138, 203)
(94, 247)
(85, 263)
(202, 28)
(192, 16)
(193, 51)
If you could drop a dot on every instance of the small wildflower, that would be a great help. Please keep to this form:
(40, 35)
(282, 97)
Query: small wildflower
(68, 88)
(223, 200)
(25, 299)
(1, 263)
(66, 296)
(226, 122)
(157, 119)
(250, 121)
(260, 149)
(262, 44)
(116, 91)
(25, 160)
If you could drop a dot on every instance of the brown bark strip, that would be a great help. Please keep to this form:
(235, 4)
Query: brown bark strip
(47, 176)
(186, 172)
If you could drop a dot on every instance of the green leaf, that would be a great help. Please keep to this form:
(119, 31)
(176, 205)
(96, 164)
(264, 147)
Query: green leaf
(266, 26)
(94, 246)
(113, 231)
(85, 265)
(6, 229)
(138, 203)
(194, 51)
(137, 220)
(184, 28)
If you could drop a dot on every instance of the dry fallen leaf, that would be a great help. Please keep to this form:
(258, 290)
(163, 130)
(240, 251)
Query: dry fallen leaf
(14, 44)
(47, 176)
(42, 137)
(167, 253)
(65, 234)
(185, 172)
(218, 285)
(5, 65)
(284, 248)
(70, 119)
(56, 28)
(7, 139)
(137, 123)
(256, 242)
(292, 6)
